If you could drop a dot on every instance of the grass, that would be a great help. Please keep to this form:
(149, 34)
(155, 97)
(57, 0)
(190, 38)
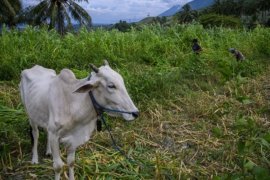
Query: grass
(202, 117)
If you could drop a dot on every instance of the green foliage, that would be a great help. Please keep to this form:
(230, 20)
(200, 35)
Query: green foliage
(187, 15)
(122, 26)
(14, 131)
(257, 10)
(219, 20)
(154, 45)
(160, 20)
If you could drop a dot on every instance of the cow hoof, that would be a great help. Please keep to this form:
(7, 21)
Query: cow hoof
(48, 154)
(58, 166)
(34, 161)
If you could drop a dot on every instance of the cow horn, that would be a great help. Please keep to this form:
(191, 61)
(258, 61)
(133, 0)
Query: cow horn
(94, 68)
(106, 63)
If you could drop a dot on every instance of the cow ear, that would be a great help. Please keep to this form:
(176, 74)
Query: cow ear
(86, 87)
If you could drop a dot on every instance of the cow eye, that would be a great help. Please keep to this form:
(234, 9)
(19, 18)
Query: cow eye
(111, 86)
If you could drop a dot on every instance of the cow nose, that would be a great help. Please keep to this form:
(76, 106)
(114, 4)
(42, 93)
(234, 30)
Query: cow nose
(135, 114)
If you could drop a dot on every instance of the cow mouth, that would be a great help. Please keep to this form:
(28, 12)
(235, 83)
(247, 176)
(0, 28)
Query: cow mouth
(128, 117)
(125, 116)
(114, 114)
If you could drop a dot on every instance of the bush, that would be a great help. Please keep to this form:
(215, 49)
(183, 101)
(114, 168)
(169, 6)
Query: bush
(219, 20)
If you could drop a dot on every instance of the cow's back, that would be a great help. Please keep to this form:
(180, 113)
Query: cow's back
(34, 89)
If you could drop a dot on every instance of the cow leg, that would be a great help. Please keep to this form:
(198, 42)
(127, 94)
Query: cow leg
(48, 150)
(35, 134)
(57, 161)
(70, 162)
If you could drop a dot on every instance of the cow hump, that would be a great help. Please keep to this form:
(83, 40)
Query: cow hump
(67, 76)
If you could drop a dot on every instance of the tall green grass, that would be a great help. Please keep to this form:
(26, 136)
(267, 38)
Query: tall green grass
(155, 52)
(202, 116)
(154, 46)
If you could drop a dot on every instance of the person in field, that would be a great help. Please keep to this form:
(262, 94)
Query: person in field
(237, 54)
(196, 48)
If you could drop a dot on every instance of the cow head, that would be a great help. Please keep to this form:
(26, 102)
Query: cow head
(109, 90)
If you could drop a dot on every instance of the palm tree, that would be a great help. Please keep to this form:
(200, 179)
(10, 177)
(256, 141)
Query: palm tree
(9, 10)
(187, 15)
(58, 14)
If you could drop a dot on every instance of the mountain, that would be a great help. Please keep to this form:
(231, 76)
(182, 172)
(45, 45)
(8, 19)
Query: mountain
(146, 20)
(195, 5)
(199, 4)
(171, 11)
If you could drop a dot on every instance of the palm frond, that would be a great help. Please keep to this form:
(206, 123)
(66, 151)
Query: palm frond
(52, 13)
(78, 13)
(37, 14)
(16, 4)
(68, 20)
(7, 7)
(9, 11)
(82, 0)
(60, 18)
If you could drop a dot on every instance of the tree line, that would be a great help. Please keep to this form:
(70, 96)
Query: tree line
(248, 12)
(61, 14)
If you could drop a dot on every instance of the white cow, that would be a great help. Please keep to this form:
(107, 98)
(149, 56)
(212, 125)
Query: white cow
(61, 105)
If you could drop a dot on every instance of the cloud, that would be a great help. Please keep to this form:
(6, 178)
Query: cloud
(111, 11)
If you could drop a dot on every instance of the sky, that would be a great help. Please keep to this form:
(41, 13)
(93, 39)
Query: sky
(112, 11)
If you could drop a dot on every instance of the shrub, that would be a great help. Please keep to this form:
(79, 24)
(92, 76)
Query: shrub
(219, 20)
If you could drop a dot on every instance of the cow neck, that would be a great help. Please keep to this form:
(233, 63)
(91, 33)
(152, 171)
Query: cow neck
(98, 108)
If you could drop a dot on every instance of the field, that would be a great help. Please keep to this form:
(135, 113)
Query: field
(202, 116)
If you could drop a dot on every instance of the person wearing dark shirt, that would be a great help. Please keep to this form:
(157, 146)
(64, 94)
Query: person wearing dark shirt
(237, 54)
(196, 48)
